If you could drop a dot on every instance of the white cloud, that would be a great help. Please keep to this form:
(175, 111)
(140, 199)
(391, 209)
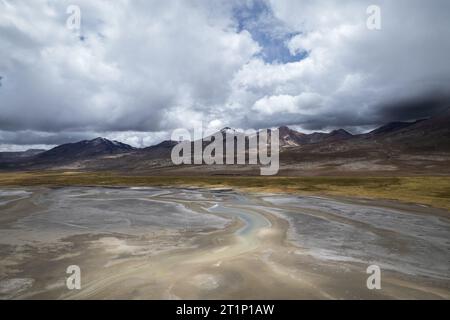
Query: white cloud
(147, 67)
(304, 103)
(353, 72)
(139, 63)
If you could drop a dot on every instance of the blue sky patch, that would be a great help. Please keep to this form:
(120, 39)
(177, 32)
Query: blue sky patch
(271, 34)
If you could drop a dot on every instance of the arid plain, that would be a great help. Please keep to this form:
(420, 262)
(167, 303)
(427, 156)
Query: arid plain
(217, 243)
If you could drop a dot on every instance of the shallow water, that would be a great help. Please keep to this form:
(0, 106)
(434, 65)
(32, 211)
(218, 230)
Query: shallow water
(70, 211)
(399, 240)
(328, 230)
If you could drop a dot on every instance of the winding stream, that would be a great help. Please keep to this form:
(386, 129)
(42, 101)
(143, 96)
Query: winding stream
(192, 243)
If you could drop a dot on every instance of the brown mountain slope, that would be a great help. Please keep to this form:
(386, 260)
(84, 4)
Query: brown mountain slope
(421, 147)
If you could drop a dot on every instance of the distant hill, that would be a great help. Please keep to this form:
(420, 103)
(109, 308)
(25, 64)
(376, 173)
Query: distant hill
(292, 138)
(162, 149)
(65, 154)
(84, 149)
(418, 147)
(392, 128)
(20, 154)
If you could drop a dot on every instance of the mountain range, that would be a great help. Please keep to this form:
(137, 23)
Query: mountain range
(417, 147)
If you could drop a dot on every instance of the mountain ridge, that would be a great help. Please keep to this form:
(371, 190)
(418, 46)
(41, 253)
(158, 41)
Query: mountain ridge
(415, 146)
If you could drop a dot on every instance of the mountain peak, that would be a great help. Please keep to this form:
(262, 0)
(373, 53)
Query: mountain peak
(289, 137)
(85, 149)
(98, 140)
(228, 130)
(284, 130)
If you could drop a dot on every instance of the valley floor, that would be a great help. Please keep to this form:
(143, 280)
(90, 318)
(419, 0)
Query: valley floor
(199, 243)
(431, 191)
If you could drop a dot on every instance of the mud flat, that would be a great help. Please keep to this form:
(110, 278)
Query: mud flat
(153, 243)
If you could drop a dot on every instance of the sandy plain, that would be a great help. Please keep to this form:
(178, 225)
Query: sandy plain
(200, 243)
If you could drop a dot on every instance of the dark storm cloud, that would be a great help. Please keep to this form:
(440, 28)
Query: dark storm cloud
(405, 109)
(142, 66)
(147, 67)
(414, 108)
(29, 137)
(358, 77)
(330, 121)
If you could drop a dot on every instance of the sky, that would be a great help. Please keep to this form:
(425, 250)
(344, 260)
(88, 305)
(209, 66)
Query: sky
(136, 70)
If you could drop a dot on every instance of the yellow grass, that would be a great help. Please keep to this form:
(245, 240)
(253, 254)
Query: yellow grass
(433, 191)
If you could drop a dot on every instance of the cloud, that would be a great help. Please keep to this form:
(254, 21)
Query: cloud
(137, 70)
(359, 74)
(136, 65)
(413, 108)
(305, 103)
